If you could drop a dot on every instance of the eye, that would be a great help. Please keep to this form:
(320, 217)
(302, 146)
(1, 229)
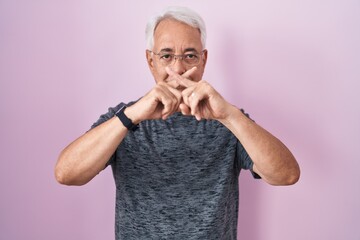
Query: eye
(191, 56)
(166, 57)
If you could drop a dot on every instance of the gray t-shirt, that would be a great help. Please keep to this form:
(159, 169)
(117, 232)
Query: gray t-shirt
(177, 179)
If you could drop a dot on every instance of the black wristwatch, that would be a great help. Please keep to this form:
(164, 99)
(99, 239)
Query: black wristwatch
(125, 120)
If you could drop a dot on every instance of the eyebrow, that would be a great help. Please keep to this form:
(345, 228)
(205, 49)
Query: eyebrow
(186, 50)
(191, 50)
(166, 50)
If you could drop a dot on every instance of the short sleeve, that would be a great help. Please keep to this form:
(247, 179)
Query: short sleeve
(103, 118)
(243, 158)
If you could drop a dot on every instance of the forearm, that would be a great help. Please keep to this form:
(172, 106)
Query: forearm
(84, 158)
(272, 159)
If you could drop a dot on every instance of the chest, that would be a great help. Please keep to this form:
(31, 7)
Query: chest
(179, 138)
(176, 153)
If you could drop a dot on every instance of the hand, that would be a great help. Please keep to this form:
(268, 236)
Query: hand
(200, 99)
(160, 102)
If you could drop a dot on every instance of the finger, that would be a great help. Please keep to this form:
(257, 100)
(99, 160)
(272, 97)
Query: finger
(173, 76)
(194, 101)
(186, 93)
(182, 79)
(185, 110)
(186, 74)
(173, 83)
(191, 100)
(167, 98)
(168, 107)
(178, 97)
(166, 103)
(189, 72)
(195, 98)
(184, 82)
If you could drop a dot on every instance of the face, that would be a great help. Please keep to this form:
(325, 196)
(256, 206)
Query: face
(173, 37)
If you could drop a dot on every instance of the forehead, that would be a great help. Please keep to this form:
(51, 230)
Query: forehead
(176, 35)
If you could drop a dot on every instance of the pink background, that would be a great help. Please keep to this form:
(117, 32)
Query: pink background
(294, 65)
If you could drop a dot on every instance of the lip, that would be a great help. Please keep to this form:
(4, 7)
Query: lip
(180, 88)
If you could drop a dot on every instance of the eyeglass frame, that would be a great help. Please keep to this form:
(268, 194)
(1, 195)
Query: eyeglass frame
(179, 56)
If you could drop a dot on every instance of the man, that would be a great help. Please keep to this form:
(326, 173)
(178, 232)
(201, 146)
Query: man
(177, 152)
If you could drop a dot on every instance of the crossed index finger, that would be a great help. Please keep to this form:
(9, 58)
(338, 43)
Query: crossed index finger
(182, 79)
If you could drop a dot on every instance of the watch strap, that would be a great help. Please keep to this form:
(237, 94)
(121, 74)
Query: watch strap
(125, 120)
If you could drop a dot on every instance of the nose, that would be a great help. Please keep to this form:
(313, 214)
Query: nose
(178, 66)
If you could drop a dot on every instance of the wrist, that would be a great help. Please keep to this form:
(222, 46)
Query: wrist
(131, 114)
(232, 116)
(125, 119)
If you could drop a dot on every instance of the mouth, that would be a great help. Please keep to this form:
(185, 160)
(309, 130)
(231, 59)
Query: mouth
(180, 88)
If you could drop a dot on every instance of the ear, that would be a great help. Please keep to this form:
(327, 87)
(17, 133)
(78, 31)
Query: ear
(150, 60)
(205, 55)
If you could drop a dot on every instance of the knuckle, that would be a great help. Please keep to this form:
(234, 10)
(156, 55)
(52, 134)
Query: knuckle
(157, 89)
(166, 101)
(178, 95)
(204, 82)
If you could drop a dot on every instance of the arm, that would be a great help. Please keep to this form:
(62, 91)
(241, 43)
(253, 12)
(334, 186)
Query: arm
(272, 160)
(84, 158)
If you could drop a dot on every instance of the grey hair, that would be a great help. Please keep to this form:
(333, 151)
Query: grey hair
(181, 14)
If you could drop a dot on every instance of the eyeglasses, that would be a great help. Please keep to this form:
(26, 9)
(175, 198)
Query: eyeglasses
(189, 59)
